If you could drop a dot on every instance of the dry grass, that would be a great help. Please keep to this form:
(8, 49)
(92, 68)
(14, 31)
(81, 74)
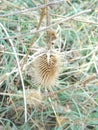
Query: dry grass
(72, 103)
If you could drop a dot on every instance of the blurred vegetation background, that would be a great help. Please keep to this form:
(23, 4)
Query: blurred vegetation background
(73, 104)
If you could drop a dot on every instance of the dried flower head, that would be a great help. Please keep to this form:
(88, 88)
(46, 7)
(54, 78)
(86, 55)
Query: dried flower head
(33, 97)
(47, 68)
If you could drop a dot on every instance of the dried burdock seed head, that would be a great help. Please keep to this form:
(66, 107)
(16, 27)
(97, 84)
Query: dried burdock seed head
(47, 68)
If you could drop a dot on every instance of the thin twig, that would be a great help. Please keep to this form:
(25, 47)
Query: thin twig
(80, 19)
(5, 76)
(12, 53)
(85, 21)
(45, 28)
(55, 113)
(10, 94)
(32, 9)
(19, 68)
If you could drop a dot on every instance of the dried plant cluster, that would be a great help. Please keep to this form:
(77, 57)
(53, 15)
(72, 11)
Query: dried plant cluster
(49, 65)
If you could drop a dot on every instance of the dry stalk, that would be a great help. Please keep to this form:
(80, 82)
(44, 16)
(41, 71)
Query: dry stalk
(47, 24)
(50, 33)
(33, 39)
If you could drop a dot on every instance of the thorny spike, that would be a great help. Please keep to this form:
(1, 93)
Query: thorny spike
(48, 56)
